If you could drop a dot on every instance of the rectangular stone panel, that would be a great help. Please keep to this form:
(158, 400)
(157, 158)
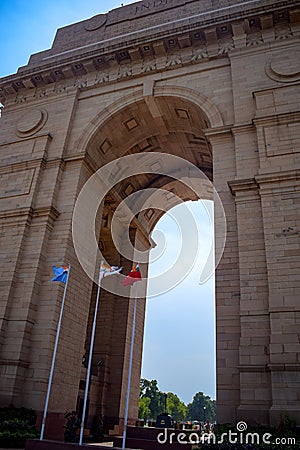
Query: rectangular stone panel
(16, 149)
(280, 100)
(282, 139)
(15, 184)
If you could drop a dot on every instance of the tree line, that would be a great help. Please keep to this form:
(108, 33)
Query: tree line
(152, 403)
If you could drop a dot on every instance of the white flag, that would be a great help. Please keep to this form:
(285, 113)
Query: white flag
(109, 270)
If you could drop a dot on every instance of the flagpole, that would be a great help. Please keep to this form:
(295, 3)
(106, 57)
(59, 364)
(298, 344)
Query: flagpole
(130, 367)
(90, 359)
(54, 357)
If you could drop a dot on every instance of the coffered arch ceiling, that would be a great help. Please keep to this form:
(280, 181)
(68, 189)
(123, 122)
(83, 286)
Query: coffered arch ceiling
(165, 125)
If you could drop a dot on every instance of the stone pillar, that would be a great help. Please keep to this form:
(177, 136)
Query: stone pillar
(112, 342)
(255, 394)
(227, 281)
(280, 207)
(277, 127)
(37, 203)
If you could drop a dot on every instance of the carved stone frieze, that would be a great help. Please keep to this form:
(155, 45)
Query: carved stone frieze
(254, 39)
(115, 60)
(282, 30)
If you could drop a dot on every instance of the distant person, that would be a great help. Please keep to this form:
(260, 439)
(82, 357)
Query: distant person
(195, 425)
(207, 427)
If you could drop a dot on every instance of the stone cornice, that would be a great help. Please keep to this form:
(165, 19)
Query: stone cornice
(284, 367)
(270, 368)
(263, 181)
(219, 134)
(186, 41)
(20, 212)
(46, 214)
(275, 119)
(242, 128)
(12, 362)
(282, 183)
(277, 177)
(253, 368)
(174, 27)
(238, 186)
(22, 165)
(26, 138)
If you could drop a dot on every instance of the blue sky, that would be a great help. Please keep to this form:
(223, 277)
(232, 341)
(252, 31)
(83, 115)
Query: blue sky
(179, 349)
(29, 26)
(179, 342)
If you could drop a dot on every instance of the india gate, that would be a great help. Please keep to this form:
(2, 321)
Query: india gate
(213, 82)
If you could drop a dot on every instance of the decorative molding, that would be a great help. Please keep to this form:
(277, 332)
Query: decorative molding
(15, 217)
(254, 39)
(12, 362)
(31, 122)
(284, 367)
(22, 166)
(275, 75)
(218, 134)
(244, 185)
(96, 22)
(278, 177)
(70, 69)
(44, 214)
(209, 109)
(264, 182)
(283, 309)
(275, 119)
(282, 30)
(254, 368)
(242, 128)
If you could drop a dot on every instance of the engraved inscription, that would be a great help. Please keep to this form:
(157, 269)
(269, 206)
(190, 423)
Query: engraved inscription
(151, 4)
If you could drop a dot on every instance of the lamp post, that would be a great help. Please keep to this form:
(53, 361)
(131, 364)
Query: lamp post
(204, 410)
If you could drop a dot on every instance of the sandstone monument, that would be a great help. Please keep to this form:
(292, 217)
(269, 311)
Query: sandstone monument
(215, 82)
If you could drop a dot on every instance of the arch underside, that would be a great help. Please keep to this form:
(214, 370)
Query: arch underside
(170, 125)
(166, 126)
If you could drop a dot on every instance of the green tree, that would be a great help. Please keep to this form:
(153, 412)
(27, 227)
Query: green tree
(201, 408)
(175, 407)
(152, 403)
(149, 389)
(144, 410)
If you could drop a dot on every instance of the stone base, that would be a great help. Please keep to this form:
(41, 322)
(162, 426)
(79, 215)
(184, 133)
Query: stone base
(156, 438)
(36, 444)
(55, 425)
(276, 414)
(253, 415)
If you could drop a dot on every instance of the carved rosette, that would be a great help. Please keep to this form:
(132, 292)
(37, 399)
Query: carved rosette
(31, 122)
(96, 22)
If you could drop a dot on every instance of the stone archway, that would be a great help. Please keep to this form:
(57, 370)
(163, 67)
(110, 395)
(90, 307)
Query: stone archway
(147, 92)
(168, 126)
(226, 79)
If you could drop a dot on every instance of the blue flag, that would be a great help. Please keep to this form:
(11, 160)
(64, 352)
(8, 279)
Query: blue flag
(61, 273)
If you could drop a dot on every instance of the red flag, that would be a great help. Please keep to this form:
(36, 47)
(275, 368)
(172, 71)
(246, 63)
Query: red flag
(133, 276)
